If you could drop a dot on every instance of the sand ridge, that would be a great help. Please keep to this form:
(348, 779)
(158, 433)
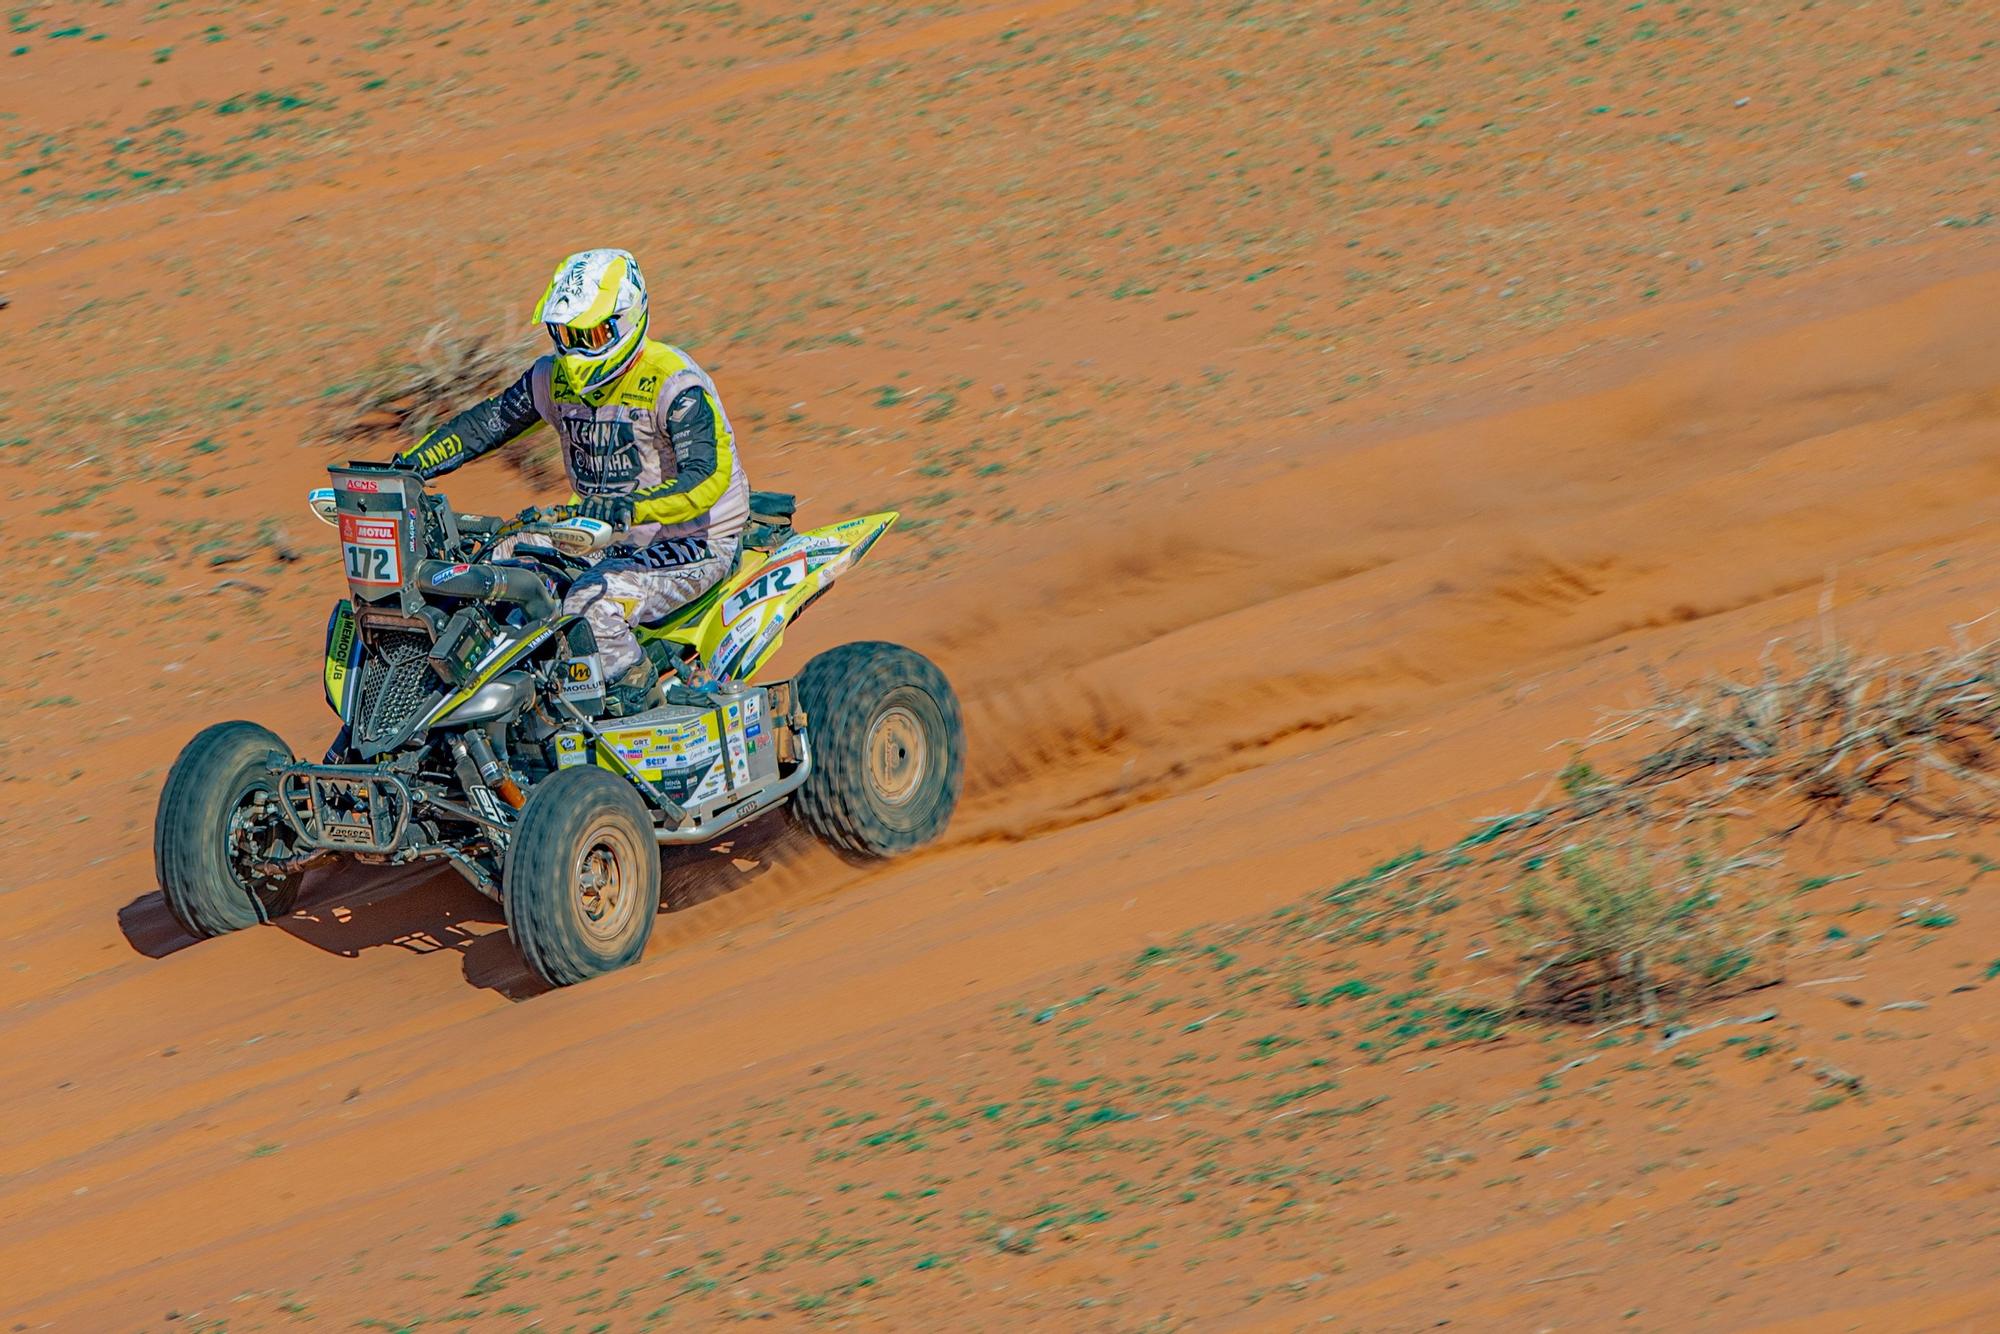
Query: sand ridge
(1237, 612)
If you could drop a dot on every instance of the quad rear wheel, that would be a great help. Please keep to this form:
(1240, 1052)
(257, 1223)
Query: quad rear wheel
(218, 820)
(583, 876)
(888, 749)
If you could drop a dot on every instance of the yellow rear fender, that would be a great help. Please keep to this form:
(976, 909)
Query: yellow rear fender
(745, 623)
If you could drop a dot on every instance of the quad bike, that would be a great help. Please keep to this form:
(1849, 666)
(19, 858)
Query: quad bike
(476, 731)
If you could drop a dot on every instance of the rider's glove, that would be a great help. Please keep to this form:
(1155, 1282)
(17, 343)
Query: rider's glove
(614, 510)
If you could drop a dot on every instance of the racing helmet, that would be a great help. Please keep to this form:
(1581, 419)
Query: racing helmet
(595, 310)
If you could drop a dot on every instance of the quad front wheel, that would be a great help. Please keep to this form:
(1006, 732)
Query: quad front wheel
(218, 823)
(888, 749)
(583, 876)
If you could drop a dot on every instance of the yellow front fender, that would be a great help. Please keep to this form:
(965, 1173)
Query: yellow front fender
(343, 656)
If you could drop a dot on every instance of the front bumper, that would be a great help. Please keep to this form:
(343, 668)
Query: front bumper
(345, 807)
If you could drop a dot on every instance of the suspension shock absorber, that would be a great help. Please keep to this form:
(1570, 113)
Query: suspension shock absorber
(491, 772)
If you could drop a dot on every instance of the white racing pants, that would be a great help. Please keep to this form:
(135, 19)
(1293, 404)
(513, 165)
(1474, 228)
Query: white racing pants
(632, 587)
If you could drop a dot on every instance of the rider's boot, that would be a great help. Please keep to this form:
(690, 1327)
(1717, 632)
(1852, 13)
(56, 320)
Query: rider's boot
(695, 687)
(635, 691)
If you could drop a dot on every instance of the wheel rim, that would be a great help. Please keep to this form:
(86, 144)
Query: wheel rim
(898, 755)
(606, 881)
(256, 834)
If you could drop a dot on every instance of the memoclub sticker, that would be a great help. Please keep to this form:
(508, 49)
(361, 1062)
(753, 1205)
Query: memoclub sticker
(583, 677)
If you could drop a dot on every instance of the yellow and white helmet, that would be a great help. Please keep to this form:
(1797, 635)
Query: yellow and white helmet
(595, 309)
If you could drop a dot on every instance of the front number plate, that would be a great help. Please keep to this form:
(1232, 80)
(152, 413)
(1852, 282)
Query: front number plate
(373, 550)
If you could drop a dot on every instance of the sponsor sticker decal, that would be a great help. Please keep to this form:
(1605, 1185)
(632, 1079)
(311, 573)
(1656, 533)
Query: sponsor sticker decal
(583, 677)
(571, 750)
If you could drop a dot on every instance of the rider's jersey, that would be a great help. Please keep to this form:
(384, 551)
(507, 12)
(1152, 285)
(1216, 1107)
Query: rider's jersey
(660, 436)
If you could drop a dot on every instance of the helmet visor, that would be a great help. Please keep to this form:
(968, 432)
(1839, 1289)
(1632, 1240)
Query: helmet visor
(585, 341)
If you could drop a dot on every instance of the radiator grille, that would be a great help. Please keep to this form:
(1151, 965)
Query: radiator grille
(396, 682)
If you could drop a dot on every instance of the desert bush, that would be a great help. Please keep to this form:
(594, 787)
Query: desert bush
(1824, 733)
(452, 366)
(1839, 732)
(1626, 912)
(1615, 927)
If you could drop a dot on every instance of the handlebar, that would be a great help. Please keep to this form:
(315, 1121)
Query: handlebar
(568, 531)
(528, 520)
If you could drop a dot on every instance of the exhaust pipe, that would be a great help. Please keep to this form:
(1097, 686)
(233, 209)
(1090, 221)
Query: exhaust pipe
(512, 584)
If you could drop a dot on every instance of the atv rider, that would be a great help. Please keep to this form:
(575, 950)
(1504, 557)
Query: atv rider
(647, 449)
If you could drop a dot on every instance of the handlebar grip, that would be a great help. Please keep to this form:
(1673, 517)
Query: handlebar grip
(534, 514)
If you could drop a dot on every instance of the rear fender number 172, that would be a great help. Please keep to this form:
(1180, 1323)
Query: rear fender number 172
(772, 582)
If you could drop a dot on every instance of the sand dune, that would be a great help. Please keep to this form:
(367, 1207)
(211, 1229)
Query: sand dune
(1217, 653)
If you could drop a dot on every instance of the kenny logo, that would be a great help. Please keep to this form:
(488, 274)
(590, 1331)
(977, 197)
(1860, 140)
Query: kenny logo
(603, 455)
(590, 433)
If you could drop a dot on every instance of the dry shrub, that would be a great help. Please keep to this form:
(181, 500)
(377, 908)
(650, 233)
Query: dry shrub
(1622, 912)
(1615, 928)
(448, 369)
(1838, 733)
